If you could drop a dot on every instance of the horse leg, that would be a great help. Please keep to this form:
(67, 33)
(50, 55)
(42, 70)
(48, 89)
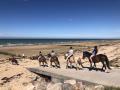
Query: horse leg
(76, 65)
(17, 62)
(90, 63)
(66, 64)
(43, 63)
(39, 63)
(58, 63)
(46, 63)
(80, 63)
(104, 66)
(70, 64)
(107, 63)
(94, 64)
(50, 63)
(12, 63)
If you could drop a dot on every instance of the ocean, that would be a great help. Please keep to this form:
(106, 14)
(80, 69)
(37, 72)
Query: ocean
(13, 42)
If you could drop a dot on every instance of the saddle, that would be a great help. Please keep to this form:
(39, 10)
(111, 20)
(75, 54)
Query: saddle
(53, 57)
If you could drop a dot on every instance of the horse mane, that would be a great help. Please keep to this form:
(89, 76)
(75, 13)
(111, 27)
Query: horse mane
(88, 53)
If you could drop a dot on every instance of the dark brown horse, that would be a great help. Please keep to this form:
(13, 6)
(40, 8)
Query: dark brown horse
(98, 58)
(34, 57)
(14, 61)
(42, 60)
(54, 59)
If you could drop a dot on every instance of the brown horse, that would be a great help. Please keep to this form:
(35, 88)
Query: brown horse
(98, 58)
(54, 59)
(34, 57)
(42, 60)
(14, 61)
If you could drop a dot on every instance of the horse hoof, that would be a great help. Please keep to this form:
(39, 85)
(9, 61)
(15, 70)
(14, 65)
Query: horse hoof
(80, 68)
(90, 69)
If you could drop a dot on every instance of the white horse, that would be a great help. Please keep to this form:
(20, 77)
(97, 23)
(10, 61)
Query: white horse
(70, 62)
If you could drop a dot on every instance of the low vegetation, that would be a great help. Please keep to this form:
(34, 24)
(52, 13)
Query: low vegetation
(112, 88)
(7, 53)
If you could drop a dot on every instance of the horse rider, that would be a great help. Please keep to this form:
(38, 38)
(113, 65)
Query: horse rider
(70, 53)
(94, 52)
(23, 56)
(53, 53)
(14, 61)
(40, 53)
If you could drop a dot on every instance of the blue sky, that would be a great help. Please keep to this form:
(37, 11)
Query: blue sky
(60, 18)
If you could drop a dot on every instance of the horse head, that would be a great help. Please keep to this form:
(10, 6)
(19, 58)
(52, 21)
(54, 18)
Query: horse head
(49, 55)
(86, 54)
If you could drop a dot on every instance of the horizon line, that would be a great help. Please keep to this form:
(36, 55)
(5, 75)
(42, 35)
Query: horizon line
(59, 38)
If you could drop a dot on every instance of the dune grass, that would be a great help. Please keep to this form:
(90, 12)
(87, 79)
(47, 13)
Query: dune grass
(7, 53)
(112, 88)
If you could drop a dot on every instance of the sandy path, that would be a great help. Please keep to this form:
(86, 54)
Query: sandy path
(108, 79)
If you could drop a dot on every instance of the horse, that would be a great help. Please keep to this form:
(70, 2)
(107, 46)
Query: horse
(14, 61)
(73, 61)
(34, 57)
(54, 59)
(98, 58)
(42, 60)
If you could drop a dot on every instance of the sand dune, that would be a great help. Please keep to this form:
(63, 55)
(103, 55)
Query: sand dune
(111, 49)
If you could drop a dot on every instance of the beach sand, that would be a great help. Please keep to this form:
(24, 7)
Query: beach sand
(19, 82)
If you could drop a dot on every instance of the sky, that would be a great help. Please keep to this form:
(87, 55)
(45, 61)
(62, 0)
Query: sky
(60, 18)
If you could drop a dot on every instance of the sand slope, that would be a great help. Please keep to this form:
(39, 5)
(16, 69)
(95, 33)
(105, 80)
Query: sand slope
(18, 82)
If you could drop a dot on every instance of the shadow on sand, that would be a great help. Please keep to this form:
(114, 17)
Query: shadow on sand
(96, 69)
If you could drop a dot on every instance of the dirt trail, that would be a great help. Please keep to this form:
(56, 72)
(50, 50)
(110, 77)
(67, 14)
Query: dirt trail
(108, 79)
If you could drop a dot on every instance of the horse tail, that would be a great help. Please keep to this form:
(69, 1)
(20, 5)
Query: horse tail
(58, 61)
(107, 62)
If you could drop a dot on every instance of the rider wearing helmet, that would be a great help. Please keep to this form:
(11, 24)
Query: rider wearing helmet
(40, 53)
(53, 53)
(70, 53)
(94, 52)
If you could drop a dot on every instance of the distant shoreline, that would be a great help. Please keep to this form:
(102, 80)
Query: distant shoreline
(31, 42)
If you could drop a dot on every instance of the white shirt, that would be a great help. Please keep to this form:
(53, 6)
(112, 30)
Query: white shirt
(23, 54)
(70, 52)
(53, 54)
